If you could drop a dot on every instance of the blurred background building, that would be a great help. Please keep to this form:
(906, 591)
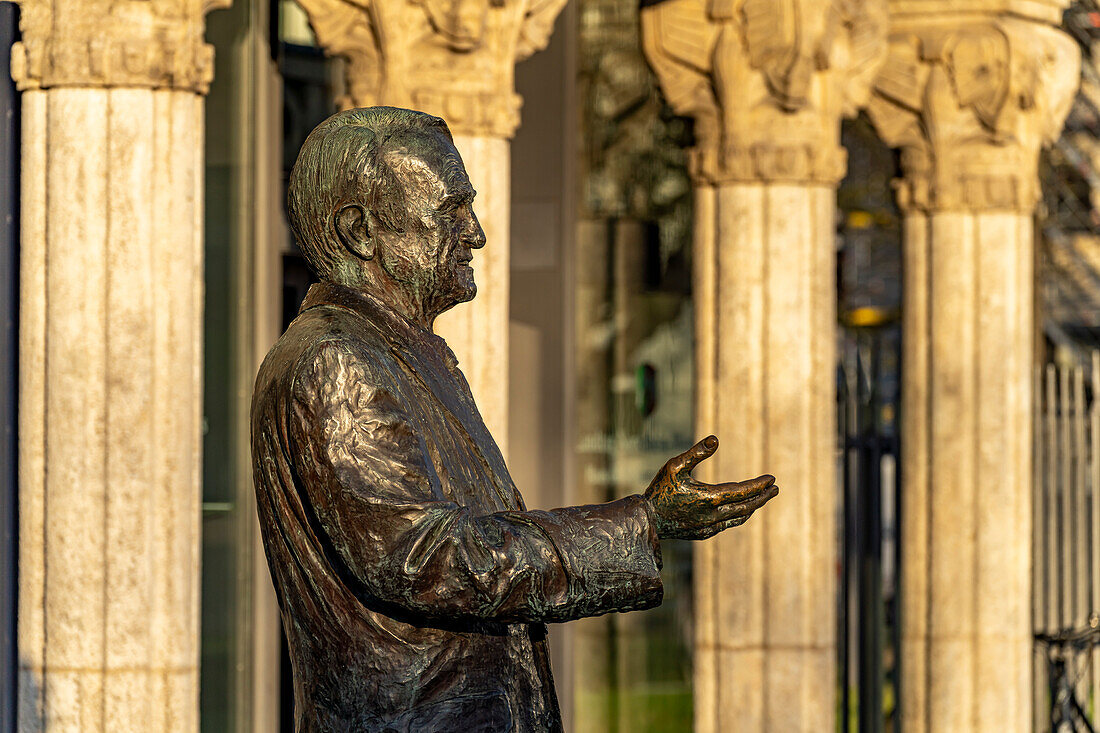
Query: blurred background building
(857, 239)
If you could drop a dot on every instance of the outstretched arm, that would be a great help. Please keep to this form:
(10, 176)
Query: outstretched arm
(384, 517)
(386, 524)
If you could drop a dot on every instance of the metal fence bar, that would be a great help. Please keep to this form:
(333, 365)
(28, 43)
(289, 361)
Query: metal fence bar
(1079, 540)
(1077, 559)
(1050, 500)
(1038, 536)
(9, 358)
(1065, 475)
(867, 657)
(844, 625)
(1037, 574)
(1066, 543)
(1095, 534)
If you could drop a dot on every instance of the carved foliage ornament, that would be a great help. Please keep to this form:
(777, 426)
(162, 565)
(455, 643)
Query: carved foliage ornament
(767, 81)
(452, 58)
(116, 43)
(971, 106)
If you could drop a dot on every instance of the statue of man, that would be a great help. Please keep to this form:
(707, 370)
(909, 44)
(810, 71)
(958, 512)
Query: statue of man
(414, 584)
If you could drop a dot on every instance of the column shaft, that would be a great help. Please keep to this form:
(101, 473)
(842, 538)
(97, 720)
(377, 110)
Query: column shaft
(966, 471)
(110, 418)
(971, 182)
(765, 593)
(767, 162)
(477, 332)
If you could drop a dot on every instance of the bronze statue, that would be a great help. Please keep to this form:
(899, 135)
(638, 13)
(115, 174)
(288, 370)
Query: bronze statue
(414, 585)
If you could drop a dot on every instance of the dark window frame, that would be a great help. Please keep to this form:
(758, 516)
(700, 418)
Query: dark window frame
(9, 371)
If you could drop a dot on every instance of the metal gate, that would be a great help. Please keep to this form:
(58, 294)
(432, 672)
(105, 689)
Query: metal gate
(1066, 546)
(868, 633)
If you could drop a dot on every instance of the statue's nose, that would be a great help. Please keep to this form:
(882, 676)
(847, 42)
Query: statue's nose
(474, 236)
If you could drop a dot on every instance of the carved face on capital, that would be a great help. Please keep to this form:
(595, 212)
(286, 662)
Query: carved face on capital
(461, 23)
(978, 67)
(431, 257)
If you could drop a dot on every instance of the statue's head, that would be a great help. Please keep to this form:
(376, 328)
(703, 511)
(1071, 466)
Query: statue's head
(379, 200)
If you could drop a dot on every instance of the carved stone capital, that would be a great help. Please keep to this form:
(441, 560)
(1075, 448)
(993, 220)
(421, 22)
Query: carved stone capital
(767, 81)
(452, 58)
(1045, 11)
(119, 43)
(970, 102)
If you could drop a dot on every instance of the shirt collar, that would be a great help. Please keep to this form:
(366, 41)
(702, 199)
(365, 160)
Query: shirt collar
(401, 332)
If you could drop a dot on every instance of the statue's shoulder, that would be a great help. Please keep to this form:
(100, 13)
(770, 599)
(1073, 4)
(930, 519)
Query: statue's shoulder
(323, 344)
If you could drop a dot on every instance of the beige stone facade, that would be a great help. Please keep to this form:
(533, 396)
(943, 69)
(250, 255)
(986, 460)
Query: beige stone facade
(767, 84)
(111, 349)
(111, 358)
(969, 91)
(969, 96)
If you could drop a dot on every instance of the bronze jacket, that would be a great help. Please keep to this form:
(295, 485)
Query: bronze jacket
(414, 585)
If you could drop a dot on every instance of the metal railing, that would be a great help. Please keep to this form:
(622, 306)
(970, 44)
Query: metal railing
(868, 638)
(1066, 546)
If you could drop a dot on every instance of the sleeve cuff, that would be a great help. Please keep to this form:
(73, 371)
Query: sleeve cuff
(616, 564)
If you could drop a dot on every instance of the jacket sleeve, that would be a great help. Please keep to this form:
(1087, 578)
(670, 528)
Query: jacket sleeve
(379, 505)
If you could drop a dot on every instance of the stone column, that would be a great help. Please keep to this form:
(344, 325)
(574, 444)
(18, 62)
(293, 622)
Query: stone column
(970, 92)
(767, 83)
(456, 60)
(110, 363)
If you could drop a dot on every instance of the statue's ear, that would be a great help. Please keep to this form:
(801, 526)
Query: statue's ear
(354, 231)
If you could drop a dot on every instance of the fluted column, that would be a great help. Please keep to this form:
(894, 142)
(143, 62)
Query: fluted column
(110, 363)
(767, 83)
(456, 60)
(970, 92)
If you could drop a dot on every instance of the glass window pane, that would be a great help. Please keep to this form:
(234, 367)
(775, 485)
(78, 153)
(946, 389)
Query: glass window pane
(227, 375)
(634, 359)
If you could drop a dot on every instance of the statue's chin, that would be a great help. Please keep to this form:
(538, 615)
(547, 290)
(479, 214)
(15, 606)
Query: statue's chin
(463, 295)
(463, 286)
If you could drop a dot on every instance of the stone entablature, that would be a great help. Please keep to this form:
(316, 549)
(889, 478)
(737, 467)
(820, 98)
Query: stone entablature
(100, 44)
(767, 81)
(970, 102)
(452, 58)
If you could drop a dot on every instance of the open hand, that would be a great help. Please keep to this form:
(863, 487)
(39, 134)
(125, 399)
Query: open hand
(692, 510)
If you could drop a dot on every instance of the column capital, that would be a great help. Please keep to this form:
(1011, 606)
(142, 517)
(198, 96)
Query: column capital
(970, 100)
(949, 11)
(120, 43)
(452, 58)
(767, 81)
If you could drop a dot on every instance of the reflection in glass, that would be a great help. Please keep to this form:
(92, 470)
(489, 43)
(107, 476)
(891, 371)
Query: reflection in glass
(632, 672)
(225, 444)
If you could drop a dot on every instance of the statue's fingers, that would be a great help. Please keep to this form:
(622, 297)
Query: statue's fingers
(743, 509)
(694, 455)
(736, 491)
(741, 514)
(759, 483)
(707, 532)
(731, 523)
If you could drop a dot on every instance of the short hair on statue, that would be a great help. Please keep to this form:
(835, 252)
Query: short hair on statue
(343, 161)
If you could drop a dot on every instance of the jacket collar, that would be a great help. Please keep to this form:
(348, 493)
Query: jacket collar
(398, 330)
